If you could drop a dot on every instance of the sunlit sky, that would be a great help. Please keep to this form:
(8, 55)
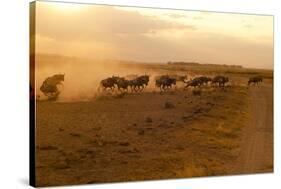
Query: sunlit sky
(153, 35)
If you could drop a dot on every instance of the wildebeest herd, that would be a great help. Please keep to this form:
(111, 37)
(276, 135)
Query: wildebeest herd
(122, 84)
(165, 82)
(134, 83)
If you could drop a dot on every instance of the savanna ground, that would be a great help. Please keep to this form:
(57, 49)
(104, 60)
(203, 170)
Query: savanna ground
(148, 135)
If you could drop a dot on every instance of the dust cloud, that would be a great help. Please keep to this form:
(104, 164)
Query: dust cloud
(82, 76)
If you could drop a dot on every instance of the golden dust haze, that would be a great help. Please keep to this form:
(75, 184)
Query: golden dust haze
(153, 35)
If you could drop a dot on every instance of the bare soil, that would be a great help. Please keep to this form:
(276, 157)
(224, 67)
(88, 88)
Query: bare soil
(138, 137)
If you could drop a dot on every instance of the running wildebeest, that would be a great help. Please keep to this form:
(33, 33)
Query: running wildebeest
(255, 80)
(220, 80)
(139, 83)
(165, 82)
(131, 80)
(122, 84)
(144, 79)
(108, 83)
(196, 82)
(204, 80)
(50, 86)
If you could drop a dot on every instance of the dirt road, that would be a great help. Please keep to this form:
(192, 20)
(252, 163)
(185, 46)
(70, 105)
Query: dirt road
(256, 153)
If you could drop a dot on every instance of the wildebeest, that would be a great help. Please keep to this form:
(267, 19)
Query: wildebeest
(122, 83)
(196, 82)
(204, 80)
(108, 83)
(255, 80)
(165, 82)
(220, 80)
(144, 79)
(139, 83)
(50, 86)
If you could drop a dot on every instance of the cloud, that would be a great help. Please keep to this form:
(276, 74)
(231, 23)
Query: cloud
(106, 32)
(98, 22)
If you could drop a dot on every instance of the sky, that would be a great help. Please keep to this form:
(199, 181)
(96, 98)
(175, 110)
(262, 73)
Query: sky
(153, 35)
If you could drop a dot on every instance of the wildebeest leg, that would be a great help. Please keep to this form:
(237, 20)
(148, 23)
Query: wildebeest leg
(162, 88)
(136, 88)
(105, 89)
(112, 88)
(133, 88)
